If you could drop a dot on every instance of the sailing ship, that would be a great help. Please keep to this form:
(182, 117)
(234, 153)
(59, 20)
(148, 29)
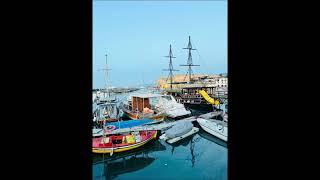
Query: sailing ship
(188, 94)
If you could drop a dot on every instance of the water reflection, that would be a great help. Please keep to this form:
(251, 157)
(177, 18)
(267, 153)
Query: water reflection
(189, 141)
(212, 138)
(113, 166)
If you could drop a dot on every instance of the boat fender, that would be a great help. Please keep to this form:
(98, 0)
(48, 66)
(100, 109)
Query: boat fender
(110, 128)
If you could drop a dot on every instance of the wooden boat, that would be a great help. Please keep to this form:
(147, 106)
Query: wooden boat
(123, 142)
(138, 107)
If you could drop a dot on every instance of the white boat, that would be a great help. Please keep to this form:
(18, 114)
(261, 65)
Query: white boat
(215, 127)
(165, 104)
(171, 107)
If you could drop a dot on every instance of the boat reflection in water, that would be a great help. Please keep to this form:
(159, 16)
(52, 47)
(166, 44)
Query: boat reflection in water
(212, 138)
(189, 141)
(112, 166)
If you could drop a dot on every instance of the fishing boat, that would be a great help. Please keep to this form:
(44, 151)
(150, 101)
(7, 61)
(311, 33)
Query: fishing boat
(215, 127)
(105, 107)
(139, 107)
(122, 142)
(107, 111)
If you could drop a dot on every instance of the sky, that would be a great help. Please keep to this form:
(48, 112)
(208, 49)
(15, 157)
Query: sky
(136, 35)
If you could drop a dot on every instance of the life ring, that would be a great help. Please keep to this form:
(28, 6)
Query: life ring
(109, 128)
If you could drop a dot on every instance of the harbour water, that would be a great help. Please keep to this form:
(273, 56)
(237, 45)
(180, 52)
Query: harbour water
(201, 156)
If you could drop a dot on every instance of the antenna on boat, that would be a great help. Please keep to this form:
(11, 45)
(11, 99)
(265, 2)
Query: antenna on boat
(170, 56)
(189, 63)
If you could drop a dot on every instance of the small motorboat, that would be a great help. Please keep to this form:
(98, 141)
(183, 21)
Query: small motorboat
(179, 131)
(215, 127)
(180, 128)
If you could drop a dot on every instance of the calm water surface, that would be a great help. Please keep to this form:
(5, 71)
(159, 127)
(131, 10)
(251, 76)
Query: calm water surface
(201, 156)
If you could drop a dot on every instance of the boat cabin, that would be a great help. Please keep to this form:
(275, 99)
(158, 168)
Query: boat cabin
(144, 103)
(140, 103)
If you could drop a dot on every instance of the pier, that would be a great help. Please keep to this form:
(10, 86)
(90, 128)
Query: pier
(161, 125)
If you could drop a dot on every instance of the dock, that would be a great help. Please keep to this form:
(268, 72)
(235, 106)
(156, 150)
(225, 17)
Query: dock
(150, 127)
(158, 125)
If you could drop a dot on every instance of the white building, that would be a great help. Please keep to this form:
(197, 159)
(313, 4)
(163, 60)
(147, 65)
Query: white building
(216, 81)
(222, 82)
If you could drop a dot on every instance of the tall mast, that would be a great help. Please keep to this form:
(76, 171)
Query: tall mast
(189, 63)
(106, 74)
(170, 56)
(106, 70)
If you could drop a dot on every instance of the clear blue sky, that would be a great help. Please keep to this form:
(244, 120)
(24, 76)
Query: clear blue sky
(136, 35)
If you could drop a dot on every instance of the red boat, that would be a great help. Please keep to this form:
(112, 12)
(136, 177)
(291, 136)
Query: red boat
(122, 142)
